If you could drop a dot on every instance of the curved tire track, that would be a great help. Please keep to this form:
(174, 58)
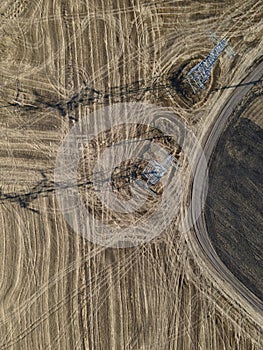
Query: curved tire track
(201, 233)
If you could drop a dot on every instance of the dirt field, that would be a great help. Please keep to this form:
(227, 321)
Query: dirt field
(234, 205)
(59, 61)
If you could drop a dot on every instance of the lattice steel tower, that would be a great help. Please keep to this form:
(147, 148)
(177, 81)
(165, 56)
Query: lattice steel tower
(200, 74)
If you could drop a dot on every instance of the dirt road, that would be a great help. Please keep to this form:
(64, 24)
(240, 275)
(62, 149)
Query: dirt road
(199, 189)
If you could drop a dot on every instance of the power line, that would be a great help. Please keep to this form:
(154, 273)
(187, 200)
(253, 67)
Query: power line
(238, 85)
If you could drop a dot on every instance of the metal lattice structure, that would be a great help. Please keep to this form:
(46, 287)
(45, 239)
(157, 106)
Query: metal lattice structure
(200, 74)
(154, 171)
(229, 50)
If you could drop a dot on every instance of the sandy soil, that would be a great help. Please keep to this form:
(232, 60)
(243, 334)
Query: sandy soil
(60, 60)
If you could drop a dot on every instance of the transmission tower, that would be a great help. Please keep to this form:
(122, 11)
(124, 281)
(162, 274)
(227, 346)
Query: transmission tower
(200, 74)
(229, 50)
(155, 171)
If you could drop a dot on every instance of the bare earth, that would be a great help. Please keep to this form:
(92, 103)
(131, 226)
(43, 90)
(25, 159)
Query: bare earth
(59, 61)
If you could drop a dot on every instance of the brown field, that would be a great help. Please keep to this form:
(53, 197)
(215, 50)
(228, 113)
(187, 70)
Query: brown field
(59, 61)
(235, 194)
